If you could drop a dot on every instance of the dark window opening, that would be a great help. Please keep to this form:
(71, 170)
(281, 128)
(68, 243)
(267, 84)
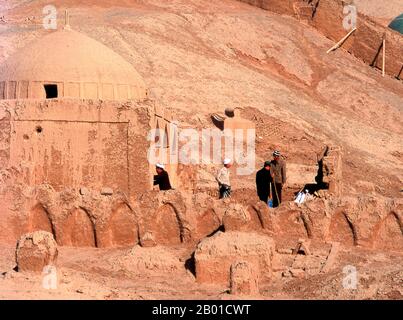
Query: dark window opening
(51, 91)
(38, 129)
(157, 138)
(166, 138)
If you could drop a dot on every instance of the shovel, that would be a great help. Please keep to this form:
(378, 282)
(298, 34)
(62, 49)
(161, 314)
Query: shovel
(270, 201)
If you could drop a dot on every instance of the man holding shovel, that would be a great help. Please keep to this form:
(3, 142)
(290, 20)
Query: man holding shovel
(278, 171)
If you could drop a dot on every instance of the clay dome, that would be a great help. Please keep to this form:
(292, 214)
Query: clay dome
(69, 64)
(397, 24)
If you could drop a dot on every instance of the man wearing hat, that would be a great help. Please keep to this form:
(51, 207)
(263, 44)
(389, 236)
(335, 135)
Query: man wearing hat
(278, 172)
(263, 182)
(224, 180)
(162, 178)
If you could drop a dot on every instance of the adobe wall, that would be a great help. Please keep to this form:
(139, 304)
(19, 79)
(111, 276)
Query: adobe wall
(86, 217)
(77, 155)
(75, 217)
(327, 17)
(68, 143)
(87, 90)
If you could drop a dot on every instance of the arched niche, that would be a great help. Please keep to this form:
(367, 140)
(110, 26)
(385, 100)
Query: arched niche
(206, 223)
(39, 220)
(342, 230)
(78, 230)
(389, 233)
(120, 230)
(166, 227)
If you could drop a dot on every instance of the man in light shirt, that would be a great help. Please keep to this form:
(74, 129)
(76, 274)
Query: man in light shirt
(223, 179)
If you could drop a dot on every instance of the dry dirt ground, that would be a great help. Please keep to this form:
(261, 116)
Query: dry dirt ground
(199, 57)
(155, 273)
(382, 11)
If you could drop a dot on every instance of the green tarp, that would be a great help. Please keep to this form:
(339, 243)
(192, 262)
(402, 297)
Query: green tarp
(397, 24)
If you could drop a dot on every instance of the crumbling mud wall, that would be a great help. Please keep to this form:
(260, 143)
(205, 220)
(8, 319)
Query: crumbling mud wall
(95, 147)
(89, 186)
(75, 144)
(90, 218)
(327, 17)
(164, 219)
(75, 217)
(368, 221)
(215, 255)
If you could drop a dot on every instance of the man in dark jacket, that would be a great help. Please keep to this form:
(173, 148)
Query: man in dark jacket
(162, 178)
(263, 181)
(278, 171)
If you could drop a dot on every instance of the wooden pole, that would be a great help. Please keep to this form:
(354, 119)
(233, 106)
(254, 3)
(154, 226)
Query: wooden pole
(383, 56)
(338, 44)
(66, 20)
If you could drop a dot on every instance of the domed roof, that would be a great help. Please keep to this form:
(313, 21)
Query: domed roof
(67, 56)
(397, 24)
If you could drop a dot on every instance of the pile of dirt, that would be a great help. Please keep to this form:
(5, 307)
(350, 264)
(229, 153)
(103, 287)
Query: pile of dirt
(215, 255)
(35, 251)
(141, 260)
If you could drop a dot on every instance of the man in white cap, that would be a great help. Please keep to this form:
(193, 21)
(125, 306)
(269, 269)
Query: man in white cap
(278, 170)
(162, 178)
(224, 180)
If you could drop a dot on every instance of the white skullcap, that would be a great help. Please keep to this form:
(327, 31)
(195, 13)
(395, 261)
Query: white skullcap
(159, 165)
(227, 161)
